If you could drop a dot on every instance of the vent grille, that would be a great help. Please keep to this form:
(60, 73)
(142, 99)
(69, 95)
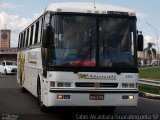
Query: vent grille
(90, 84)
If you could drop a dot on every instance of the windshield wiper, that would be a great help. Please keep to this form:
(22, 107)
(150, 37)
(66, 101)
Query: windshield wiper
(88, 52)
(110, 55)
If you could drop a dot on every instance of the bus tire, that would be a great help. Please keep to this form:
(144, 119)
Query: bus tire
(24, 90)
(40, 103)
(109, 109)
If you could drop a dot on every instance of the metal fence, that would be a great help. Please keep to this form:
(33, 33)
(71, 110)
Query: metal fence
(155, 83)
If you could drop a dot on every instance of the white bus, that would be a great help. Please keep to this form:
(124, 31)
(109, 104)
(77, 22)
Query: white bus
(80, 56)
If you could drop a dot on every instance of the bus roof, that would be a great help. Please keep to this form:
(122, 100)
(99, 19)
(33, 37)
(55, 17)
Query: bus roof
(85, 7)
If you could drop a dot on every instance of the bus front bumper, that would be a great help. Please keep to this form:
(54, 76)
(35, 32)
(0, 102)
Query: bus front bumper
(92, 98)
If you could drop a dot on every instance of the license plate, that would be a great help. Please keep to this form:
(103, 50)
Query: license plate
(96, 96)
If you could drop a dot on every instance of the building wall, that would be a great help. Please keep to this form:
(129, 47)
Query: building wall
(5, 38)
(8, 50)
(6, 53)
(11, 57)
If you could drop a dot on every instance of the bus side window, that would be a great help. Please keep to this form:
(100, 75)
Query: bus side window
(36, 32)
(24, 39)
(21, 44)
(19, 41)
(31, 35)
(39, 31)
(27, 36)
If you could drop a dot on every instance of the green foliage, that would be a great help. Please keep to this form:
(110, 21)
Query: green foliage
(149, 89)
(150, 73)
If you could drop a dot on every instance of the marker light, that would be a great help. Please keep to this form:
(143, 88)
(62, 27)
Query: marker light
(52, 84)
(97, 12)
(67, 84)
(131, 97)
(132, 14)
(59, 10)
(60, 84)
(104, 12)
(59, 96)
(89, 11)
(66, 96)
(118, 13)
(64, 84)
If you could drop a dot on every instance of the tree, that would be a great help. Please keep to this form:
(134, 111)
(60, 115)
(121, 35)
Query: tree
(151, 52)
(154, 52)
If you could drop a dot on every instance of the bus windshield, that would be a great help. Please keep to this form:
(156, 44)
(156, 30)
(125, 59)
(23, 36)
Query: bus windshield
(116, 46)
(75, 41)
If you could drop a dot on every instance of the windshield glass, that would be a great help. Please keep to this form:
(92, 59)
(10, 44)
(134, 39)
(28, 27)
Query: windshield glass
(93, 41)
(116, 37)
(74, 40)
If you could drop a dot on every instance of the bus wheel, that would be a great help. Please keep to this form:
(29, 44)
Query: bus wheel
(24, 90)
(109, 109)
(40, 103)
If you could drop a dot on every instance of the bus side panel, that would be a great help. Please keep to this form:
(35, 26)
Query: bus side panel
(29, 67)
(18, 67)
(34, 66)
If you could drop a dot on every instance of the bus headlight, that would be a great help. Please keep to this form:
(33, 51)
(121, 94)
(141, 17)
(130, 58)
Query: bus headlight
(60, 84)
(59, 96)
(130, 97)
(67, 84)
(63, 84)
(52, 84)
(128, 85)
(124, 85)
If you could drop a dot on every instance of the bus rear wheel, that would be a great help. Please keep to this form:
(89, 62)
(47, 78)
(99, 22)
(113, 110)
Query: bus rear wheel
(24, 90)
(40, 103)
(109, 109)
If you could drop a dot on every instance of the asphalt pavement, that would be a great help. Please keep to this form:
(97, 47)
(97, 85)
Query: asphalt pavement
(19, 106)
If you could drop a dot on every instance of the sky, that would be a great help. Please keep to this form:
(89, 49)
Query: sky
(16, 14)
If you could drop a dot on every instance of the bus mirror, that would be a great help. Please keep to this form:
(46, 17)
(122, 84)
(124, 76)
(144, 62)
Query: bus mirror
(140, 43)
(46, 37)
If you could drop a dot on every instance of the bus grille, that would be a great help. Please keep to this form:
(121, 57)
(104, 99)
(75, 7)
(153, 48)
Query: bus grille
(90, 84)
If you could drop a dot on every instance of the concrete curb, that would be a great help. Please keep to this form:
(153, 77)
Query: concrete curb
(149, 95)
(155, 83)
